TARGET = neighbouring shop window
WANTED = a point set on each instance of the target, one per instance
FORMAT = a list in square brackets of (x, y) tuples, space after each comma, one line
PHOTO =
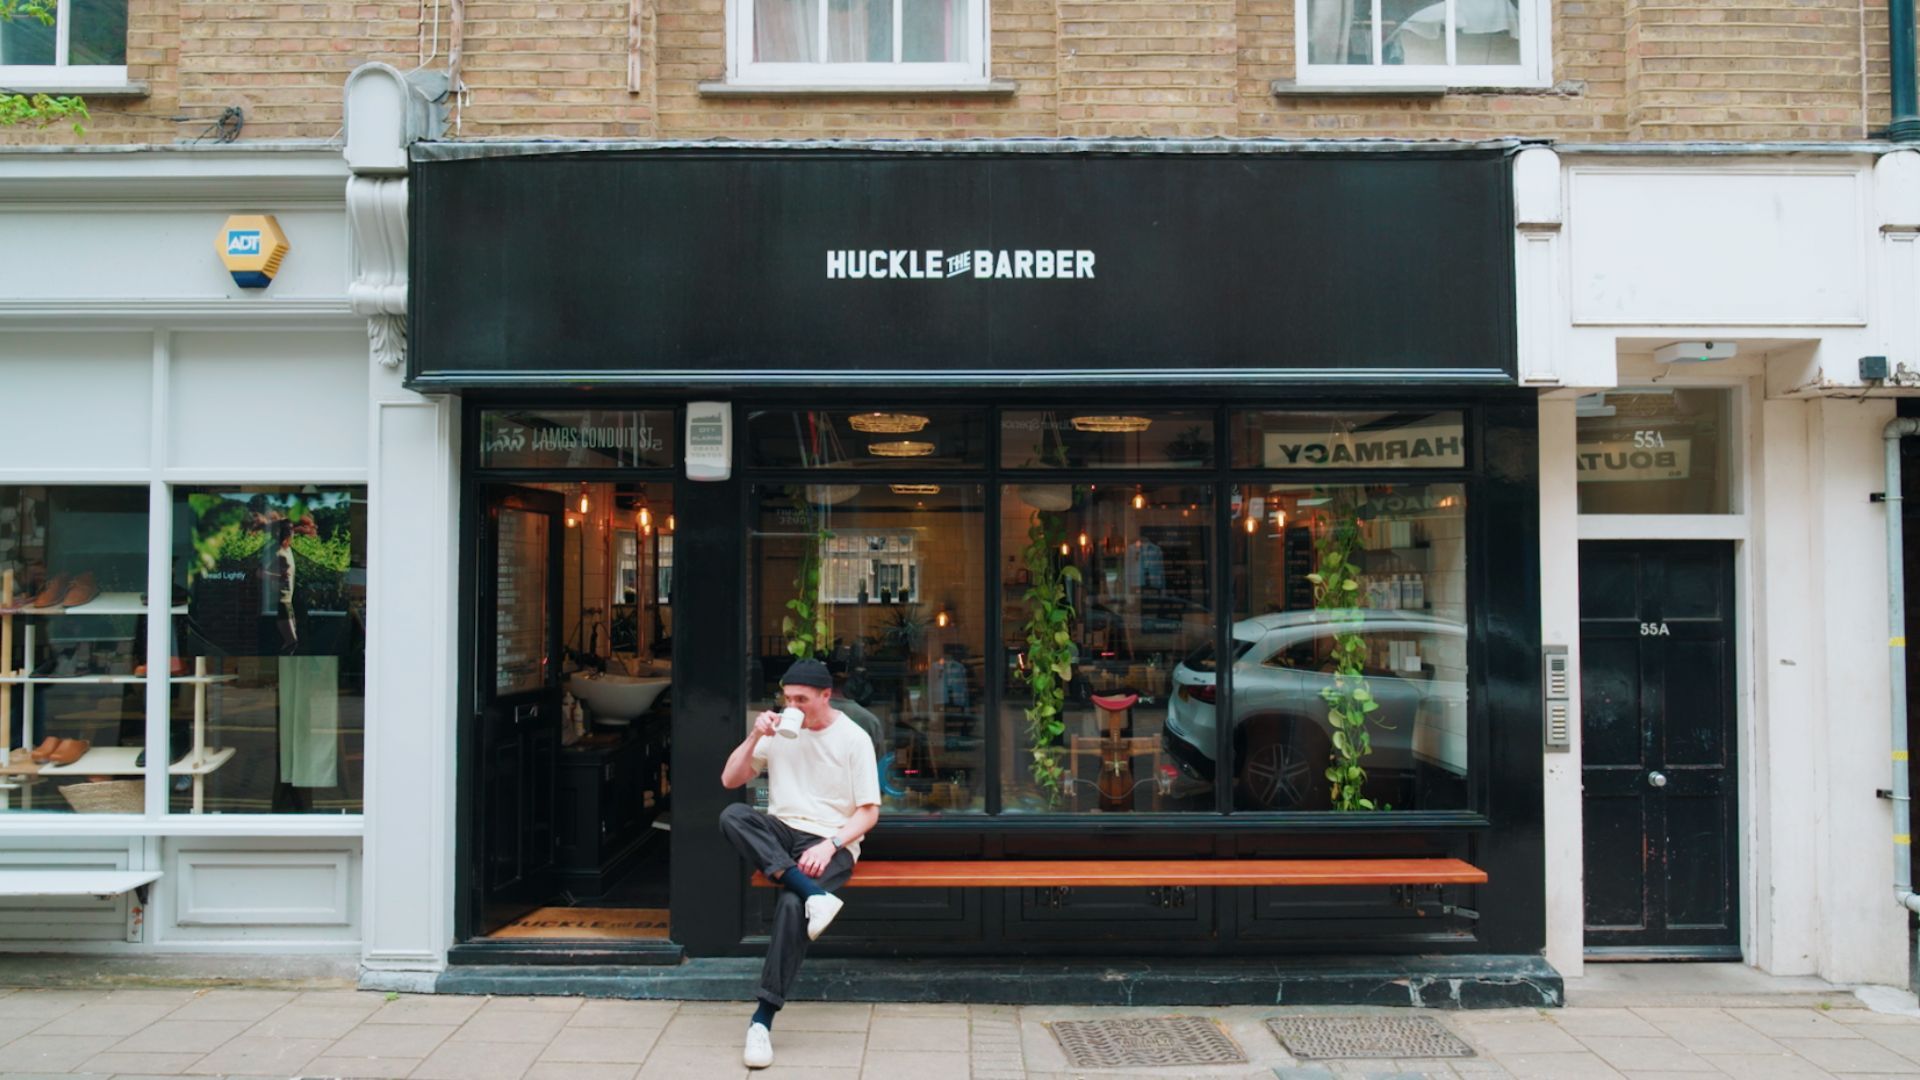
[(885, 582), (892, 439), (1104, 588), (1105, 438), (74, 616), (1344, 596), (578, 439), (858, 41), (1349, 440), (1654, 450), (267, 688)]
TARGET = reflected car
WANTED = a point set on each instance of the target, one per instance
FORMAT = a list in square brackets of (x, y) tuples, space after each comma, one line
[(1282, 739)]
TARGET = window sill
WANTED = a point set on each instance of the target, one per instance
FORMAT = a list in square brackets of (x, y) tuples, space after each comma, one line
[(56, 88), (990, 88), (1290, 88)]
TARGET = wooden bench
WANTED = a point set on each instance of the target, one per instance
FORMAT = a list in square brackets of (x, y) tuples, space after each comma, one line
[(1120, 873)]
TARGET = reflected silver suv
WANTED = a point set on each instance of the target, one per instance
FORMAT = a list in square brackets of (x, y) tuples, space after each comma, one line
[(1282, 737)]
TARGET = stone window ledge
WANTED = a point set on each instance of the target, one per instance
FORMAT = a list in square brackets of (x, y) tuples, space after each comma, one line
[(55, 88), (991, 88)]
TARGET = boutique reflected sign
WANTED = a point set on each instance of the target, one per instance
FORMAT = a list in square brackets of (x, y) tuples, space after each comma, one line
[(576, 439)]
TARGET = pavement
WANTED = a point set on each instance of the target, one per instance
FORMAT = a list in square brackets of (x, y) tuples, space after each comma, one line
[(1644, 1022)]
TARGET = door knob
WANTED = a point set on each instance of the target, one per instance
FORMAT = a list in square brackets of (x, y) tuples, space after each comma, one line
[(1657, 779)]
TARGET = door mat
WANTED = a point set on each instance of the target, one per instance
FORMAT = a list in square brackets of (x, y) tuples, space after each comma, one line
[(587, 924), (1176, 1040), (1320, 1038)]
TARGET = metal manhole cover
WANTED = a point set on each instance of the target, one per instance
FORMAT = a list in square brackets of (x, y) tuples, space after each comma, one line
[(1323, 1037), (1112, 1044)]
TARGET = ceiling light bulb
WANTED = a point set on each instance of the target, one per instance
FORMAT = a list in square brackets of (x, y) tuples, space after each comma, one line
[(1139, 501), (583, 502), (1085, 539), (670, 523), (1253, 524), (1064, 549), (645, 518)]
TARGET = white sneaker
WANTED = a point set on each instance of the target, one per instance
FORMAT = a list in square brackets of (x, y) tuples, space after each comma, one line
[(820, 913), (759, 1053)]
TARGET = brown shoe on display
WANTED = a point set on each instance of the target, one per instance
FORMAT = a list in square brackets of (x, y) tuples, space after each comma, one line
[(51, 595), (83, 590), (42, 753), (69, 751)]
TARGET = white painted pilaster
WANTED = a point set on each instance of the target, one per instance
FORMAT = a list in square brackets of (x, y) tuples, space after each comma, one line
[(1560, 625), (1538, 284)]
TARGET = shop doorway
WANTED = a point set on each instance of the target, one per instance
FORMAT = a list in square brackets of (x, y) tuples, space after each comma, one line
[(575, 631), (1658, 744)]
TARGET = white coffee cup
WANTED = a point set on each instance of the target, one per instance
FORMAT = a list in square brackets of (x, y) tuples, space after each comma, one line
[(790, 721)]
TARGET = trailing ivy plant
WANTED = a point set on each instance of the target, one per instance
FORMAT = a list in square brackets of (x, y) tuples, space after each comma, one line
[(1337, 593), (1050, 652), (808, 625)]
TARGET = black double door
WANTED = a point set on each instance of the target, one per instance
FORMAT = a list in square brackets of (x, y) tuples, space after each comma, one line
[(1657, 749), (517, 718)]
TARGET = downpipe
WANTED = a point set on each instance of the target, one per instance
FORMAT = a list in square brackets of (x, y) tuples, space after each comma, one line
[(1905, 127), (1903, 891)]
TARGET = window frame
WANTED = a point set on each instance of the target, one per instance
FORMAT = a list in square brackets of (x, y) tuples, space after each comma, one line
[(61, 72), (743, 69), (1534, 71)]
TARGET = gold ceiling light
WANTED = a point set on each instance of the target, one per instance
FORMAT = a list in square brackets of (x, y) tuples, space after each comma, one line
[(915, 489), (887, 423), (1107, 424), (900, 448)]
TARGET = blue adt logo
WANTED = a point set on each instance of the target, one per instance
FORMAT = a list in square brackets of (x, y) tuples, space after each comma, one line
[(243, 242)]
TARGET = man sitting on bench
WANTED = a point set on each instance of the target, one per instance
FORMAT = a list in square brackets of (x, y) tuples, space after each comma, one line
[(823, 795)]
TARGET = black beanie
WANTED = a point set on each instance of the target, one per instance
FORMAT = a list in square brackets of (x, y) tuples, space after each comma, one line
[(808, 673)]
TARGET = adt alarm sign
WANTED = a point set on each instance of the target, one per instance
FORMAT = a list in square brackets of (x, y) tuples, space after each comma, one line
[(252, 246), (243, 242)]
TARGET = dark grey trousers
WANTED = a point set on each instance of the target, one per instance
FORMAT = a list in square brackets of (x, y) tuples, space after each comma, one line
[(770, 844)]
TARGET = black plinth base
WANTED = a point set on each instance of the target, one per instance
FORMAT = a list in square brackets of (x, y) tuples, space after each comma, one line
[(1441, 982)]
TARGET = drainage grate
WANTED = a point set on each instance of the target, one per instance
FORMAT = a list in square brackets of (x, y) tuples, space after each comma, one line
[(1178, 1040), (1323, 1037)]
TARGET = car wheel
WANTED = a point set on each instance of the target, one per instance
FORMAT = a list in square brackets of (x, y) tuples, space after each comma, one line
[(1282, 767)]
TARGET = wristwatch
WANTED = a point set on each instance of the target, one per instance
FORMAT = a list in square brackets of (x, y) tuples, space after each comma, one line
[(835, 841)]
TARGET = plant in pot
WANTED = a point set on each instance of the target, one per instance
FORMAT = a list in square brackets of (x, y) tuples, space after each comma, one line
[(808, 624)]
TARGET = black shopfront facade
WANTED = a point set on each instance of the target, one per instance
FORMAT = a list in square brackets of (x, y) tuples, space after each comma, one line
[(1134, 494)]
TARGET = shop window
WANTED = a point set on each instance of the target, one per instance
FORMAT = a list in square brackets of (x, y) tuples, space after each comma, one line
[(1345, 596), (267, 687), (1104, 589), (75, 42), (74, 617), (884, 582), (1413, 42), (891, 439), (1654, 450), (857, 42), (1107, 439), (1349, 440)]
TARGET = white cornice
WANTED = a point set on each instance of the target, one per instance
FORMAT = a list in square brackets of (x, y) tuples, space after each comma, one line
[(94, 313), (149, 175)]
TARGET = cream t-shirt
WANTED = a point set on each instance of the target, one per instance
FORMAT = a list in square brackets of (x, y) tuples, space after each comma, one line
[(817, 781)]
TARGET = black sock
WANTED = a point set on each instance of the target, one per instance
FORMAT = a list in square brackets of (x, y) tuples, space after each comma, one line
[(764, 1014), (795, 881)]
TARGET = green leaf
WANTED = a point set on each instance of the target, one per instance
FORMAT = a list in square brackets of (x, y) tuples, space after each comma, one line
[(1071, 573)]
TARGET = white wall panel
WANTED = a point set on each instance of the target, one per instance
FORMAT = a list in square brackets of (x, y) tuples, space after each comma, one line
[(77, 400), (262, 888), (269, 399), (1719, 247), (146, 254)]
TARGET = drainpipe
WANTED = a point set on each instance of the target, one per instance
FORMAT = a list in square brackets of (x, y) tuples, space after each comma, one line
[(1906, 116), (1897, 656)]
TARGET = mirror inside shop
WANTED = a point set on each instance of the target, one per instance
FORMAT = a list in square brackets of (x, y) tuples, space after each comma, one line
[(611, 777), (260, 697)]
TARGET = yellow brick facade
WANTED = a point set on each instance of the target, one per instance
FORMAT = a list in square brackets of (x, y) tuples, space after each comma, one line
[(1623, 70)]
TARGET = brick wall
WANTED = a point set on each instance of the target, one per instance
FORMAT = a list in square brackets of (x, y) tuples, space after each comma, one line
[(1624, 70)]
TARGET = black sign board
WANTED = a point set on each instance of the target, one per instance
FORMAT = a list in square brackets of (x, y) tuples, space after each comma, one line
[(696, 266)]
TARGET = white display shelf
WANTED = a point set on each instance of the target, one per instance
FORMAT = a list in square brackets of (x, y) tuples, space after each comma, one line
[(117, 680), (119, 761), (107, 603)]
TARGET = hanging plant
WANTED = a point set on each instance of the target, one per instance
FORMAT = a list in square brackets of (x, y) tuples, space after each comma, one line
[(1337, 593), (1047, 666), (808, 624)]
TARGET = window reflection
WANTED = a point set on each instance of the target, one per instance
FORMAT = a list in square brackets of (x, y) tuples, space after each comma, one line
[(1104, 589), (1106, 439), (1345, 597), (883, 582)]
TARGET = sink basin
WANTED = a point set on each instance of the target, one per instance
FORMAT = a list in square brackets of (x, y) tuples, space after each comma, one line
[(618, 697)]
